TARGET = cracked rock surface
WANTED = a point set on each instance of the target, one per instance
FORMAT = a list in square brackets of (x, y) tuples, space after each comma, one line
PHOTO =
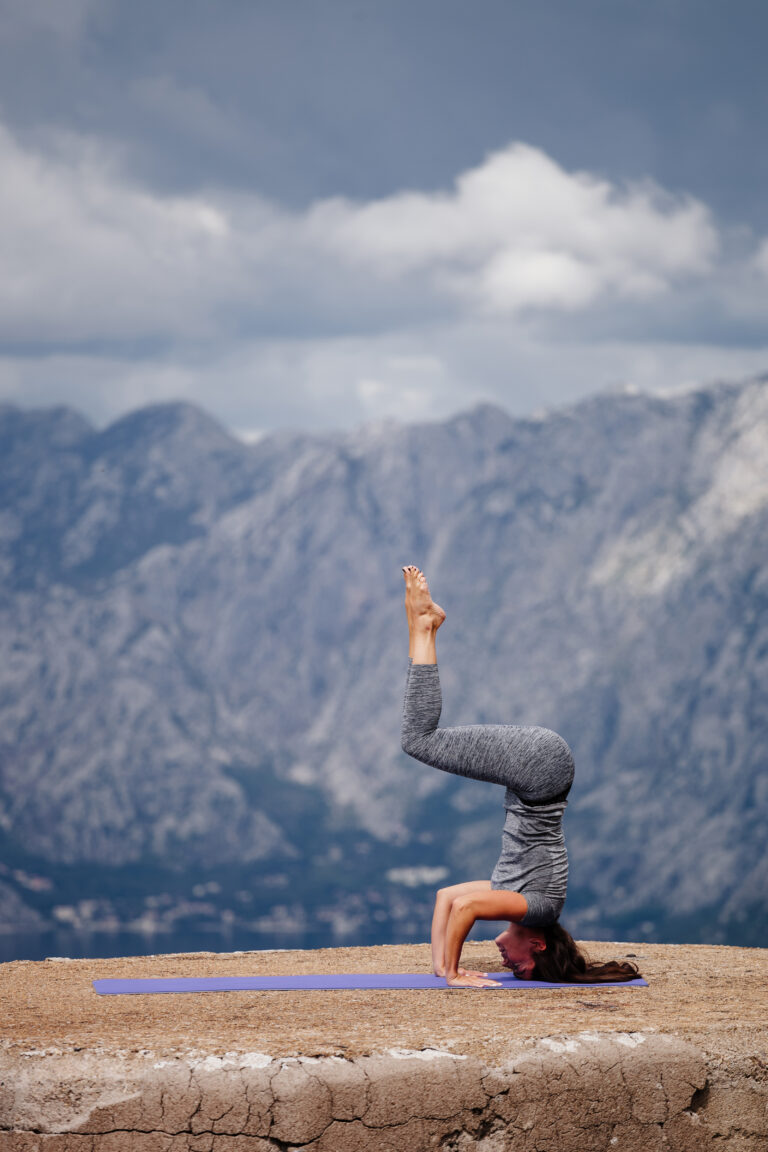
[(680, 1065)]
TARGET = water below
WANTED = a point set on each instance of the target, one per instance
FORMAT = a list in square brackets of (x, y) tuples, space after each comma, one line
[(101, 945)]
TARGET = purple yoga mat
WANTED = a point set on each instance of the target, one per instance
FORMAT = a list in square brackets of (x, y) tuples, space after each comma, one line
[(319, 983)]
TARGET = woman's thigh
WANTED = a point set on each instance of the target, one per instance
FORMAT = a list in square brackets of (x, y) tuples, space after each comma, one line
[(534, 762)]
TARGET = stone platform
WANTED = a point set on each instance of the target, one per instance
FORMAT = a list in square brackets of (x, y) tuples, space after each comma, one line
[(681, 1065)]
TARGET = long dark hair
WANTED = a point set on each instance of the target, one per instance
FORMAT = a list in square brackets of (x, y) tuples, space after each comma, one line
[(564, 962)]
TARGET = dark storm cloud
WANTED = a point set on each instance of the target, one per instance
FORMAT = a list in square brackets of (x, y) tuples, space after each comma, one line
[(362, 99)]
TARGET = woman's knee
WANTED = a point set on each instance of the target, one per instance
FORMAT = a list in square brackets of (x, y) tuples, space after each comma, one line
[(407, 741), (559, 757), (414, 744)]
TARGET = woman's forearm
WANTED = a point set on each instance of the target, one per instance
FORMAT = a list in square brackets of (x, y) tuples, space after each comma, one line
[(439, 925), (460, 921)]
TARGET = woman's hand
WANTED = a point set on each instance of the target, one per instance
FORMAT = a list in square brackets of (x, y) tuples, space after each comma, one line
[(461, 972), (464, 979)]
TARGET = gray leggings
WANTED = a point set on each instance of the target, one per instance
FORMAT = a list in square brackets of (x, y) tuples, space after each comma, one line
[(534, 763)]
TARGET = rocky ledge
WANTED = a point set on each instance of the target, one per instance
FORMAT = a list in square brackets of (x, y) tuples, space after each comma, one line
[(680, 1065)]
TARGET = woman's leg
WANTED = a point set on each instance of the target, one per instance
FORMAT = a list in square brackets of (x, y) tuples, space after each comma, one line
[(534, 762)]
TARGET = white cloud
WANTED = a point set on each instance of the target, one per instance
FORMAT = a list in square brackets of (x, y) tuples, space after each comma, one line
[(514, 279), (519, 231), (87, 256), (410, 306)]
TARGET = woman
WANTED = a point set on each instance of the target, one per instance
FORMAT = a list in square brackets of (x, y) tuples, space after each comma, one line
[(528, 884)]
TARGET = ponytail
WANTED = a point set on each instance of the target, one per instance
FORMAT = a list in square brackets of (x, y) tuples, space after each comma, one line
[(564, 962)]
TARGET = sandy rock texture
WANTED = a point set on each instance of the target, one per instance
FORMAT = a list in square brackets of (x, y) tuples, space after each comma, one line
[(681, 1065)]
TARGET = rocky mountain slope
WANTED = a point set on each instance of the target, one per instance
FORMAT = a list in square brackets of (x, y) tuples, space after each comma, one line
[(203, 650)]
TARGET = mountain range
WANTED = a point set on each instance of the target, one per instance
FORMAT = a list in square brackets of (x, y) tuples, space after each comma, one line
[(204, 647)]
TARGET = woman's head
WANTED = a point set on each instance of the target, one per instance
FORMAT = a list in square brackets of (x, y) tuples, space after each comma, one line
[(550, 953), (519, 947)]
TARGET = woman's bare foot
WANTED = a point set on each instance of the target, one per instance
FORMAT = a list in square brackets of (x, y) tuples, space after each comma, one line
[(420, 608)]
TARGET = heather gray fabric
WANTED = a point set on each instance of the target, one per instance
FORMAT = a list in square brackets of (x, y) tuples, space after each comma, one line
[(535, 766)]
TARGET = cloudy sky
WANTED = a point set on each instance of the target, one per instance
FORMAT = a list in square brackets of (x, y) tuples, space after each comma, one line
[(317, 213)]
